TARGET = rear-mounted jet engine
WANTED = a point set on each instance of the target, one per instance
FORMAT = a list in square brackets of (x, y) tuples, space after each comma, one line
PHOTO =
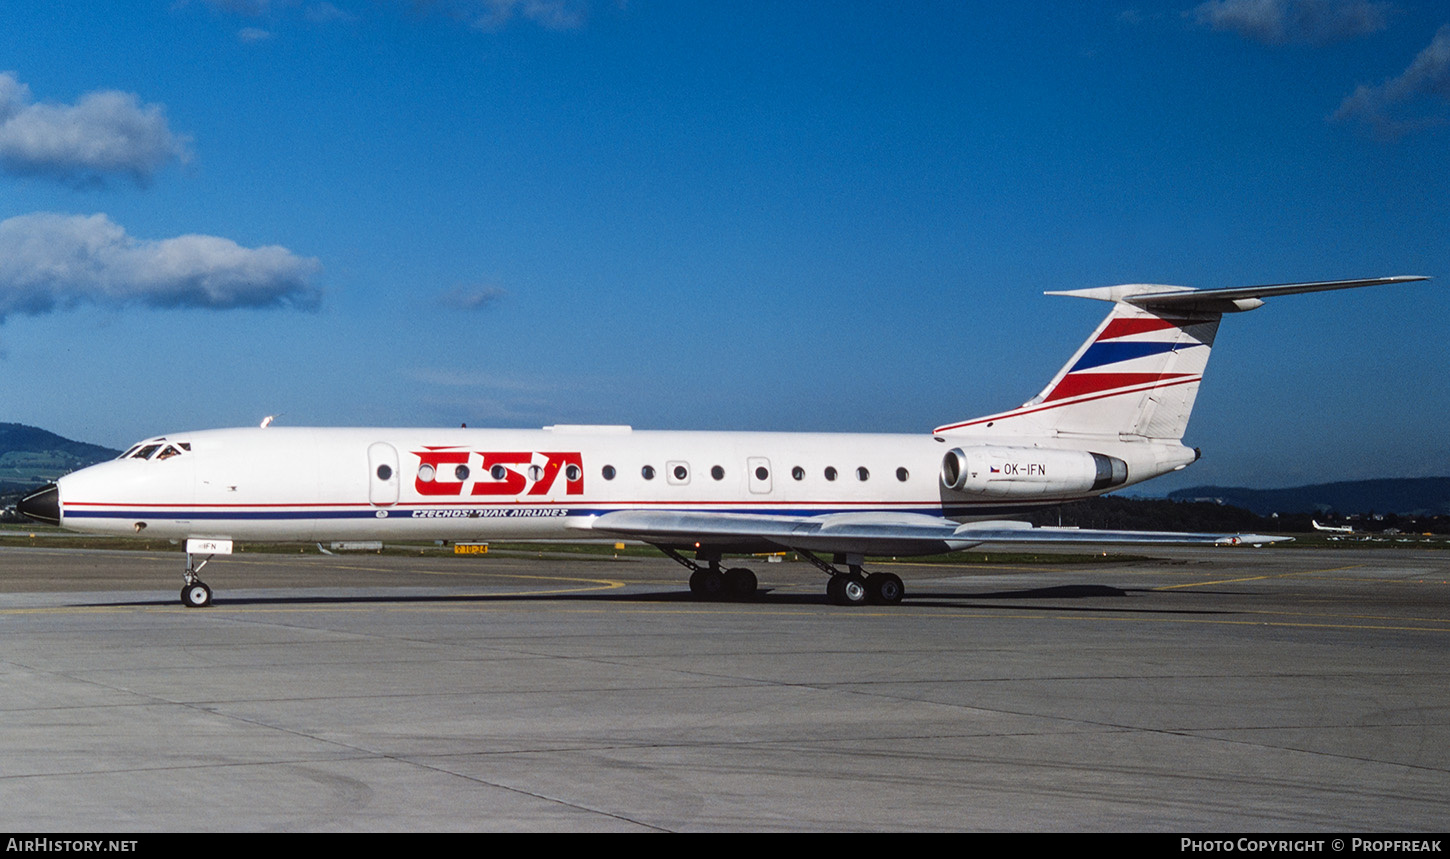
[(1023, 472)]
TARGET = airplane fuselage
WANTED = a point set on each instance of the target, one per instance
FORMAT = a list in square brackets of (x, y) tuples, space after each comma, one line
[(284, 484)]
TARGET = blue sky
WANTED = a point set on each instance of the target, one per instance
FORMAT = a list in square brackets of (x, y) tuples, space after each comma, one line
[(743, 215)]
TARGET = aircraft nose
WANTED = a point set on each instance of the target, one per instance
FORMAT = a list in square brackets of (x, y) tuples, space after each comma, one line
[(42, 505)]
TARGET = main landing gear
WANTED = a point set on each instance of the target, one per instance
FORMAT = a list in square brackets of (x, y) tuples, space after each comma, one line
[(853, 586), (856, 586), (195, 593), (711, 583)]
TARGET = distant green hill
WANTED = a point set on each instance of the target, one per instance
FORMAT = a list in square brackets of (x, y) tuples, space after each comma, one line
[(30, 456), (1412, 495)]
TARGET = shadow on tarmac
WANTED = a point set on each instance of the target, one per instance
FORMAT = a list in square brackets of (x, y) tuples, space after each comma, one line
[(1017, 600)]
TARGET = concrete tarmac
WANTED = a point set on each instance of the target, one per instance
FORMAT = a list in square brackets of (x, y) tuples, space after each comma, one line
[(1201, 691)]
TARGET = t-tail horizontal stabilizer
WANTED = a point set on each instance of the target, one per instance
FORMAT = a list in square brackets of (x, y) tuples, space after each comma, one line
[(1137, 376), (1232, 299)]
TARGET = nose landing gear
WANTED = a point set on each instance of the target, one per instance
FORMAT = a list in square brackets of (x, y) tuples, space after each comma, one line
[(195, 593)]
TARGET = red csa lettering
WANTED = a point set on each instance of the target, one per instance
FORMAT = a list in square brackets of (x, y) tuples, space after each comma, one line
[(513, 482), (572, 464), (444, 471), (437, 463), (502, 481)]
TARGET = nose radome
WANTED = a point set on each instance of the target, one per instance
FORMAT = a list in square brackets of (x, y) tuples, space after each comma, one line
[(42, 505)]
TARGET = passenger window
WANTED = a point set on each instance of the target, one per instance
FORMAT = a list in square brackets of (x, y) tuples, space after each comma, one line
[(902, 474), (830, 473), (762, 473), (608, 472), (862, 474), (717, 472), (798, 473), (648, 472)]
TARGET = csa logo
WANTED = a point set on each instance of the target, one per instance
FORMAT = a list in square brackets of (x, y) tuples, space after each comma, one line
[(454, 471)]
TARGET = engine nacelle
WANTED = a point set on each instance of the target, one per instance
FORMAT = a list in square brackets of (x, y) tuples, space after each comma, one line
[(1024, 472)]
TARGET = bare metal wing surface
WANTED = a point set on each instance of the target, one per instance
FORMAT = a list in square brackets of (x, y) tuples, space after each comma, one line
[(871, 534)]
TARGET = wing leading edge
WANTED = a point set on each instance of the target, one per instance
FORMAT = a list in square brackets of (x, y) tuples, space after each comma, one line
[(869, 533)]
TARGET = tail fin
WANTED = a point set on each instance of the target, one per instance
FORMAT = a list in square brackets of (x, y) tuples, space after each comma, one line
[(1137, 376)]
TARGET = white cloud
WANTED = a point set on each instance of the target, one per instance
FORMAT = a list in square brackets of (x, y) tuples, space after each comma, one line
[(1426, 83), (554, 14), (252, 35), (488, 15), (326, 13), (50, 261), (452, 377), (472, 297), (105, 132), (1277, 22), (496, 14), (238, 7)]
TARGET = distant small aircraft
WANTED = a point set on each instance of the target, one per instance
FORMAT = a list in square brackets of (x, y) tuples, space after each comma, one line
[(1336, 529), (1113, 416)]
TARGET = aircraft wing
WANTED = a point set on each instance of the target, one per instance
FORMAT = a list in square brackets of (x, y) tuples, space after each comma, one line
[(868, 533)]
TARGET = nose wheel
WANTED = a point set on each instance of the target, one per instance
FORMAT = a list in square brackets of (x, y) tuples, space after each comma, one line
[(196, 595)]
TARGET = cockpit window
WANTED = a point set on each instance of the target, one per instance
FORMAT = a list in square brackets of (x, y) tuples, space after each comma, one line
[(149, 450)]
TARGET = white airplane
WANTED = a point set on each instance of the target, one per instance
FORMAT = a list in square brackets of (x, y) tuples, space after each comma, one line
[(1113, 416), (1336, 529)]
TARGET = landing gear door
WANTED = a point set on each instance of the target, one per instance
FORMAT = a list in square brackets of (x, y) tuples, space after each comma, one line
[(383, 478), (759, 468)]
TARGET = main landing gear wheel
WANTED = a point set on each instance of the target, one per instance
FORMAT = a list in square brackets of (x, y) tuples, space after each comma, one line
[(849, 589), (854, 586), (885, 588), (196, 595), (733, 584), (740, 584), (707, 584), (710, 582)]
